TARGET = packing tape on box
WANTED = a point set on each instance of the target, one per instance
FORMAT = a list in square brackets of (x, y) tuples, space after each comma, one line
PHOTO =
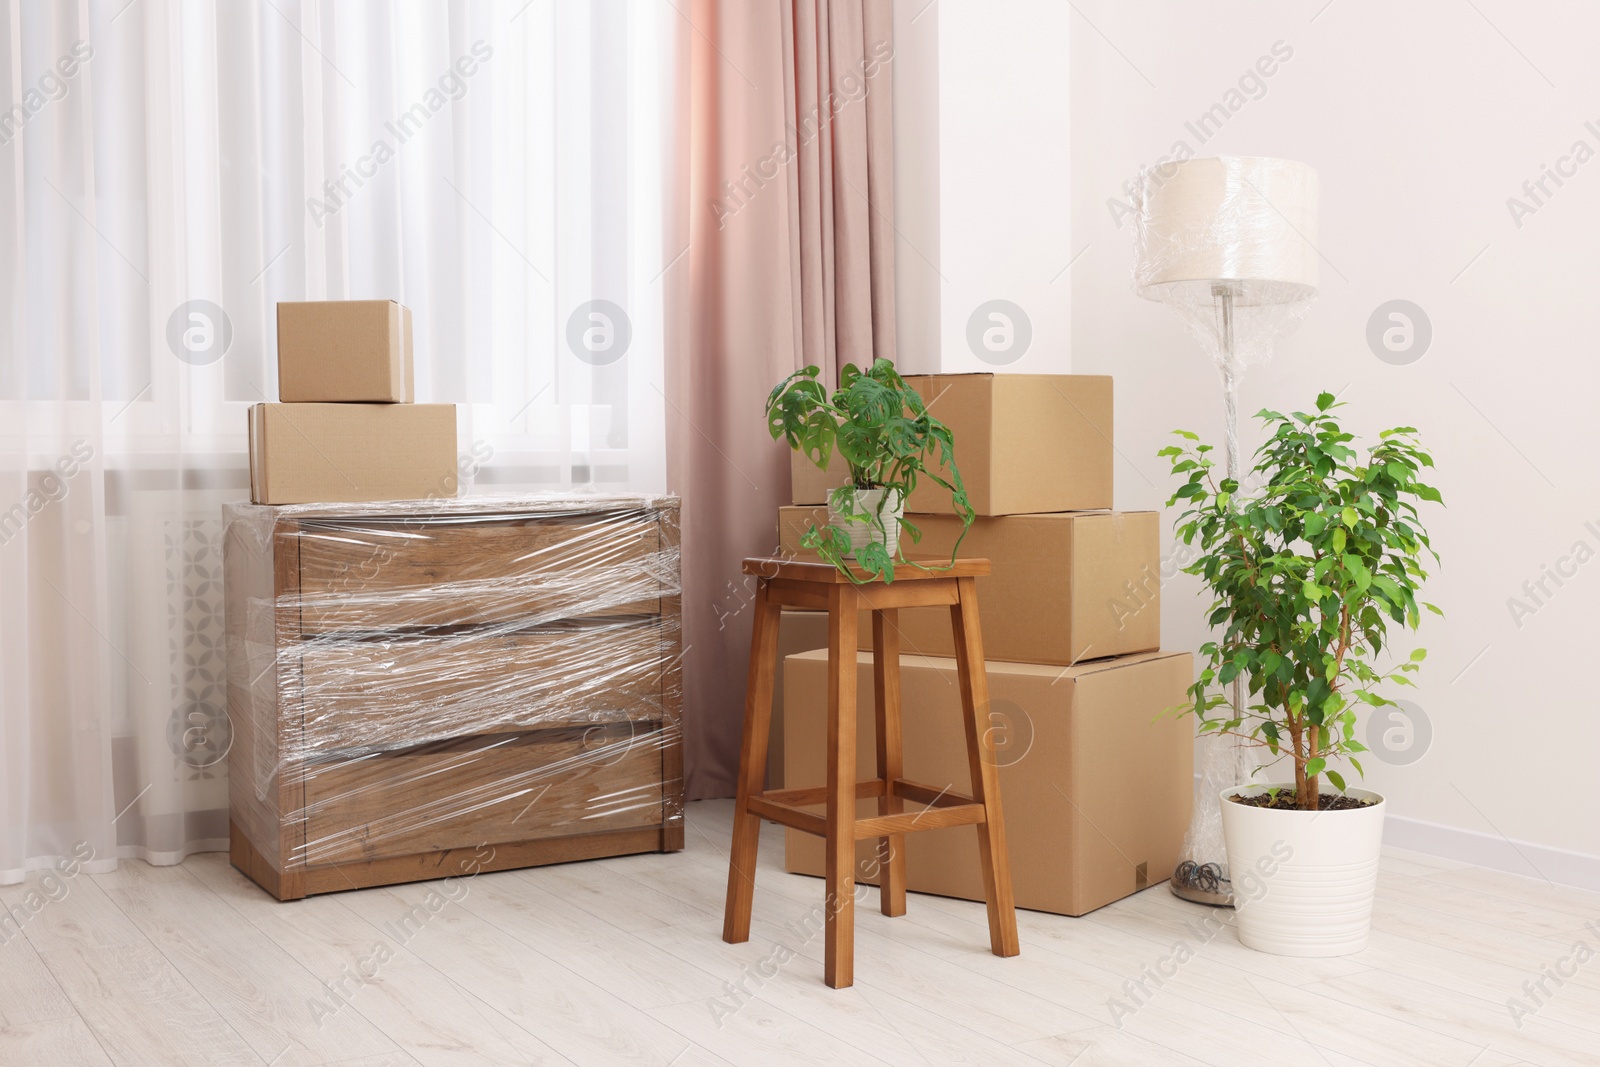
[(1119, 527)]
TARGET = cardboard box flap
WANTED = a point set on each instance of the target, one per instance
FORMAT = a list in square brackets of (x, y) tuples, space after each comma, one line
[(1098, 666), (993, 374)]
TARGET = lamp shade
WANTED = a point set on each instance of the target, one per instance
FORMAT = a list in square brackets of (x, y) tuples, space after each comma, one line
[(1246, 222)]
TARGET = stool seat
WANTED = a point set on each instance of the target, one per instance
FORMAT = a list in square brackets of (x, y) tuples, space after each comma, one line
[(808, 582)]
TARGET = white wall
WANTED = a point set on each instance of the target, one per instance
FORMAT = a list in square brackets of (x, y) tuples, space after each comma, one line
[(1422, 119), (916, 186), (982, 185)]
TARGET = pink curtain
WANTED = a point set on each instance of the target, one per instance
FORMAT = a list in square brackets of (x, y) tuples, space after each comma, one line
[(786, 213)]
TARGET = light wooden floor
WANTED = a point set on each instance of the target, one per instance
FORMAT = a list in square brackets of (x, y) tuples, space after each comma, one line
[(620, 962)]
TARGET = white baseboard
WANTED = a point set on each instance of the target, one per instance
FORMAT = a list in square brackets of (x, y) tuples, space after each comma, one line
[(1489, 850), (1496, 853)]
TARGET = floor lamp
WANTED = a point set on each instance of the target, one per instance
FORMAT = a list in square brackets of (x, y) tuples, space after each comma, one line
[(1229, 243)]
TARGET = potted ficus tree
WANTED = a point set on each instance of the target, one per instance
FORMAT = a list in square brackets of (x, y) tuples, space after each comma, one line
[(1309, 573), (880, 427)]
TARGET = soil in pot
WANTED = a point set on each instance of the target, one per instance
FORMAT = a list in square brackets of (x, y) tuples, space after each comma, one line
[(1284, 801)]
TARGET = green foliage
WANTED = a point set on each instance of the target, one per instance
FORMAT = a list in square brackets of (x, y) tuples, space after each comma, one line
[(879, 426), (1308, 575)]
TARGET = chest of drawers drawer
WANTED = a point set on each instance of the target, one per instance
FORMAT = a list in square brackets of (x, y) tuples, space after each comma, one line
[(385, 576), (486, 791), (392, 692)]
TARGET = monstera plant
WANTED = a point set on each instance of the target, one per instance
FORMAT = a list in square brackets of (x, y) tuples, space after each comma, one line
[(879, 427)]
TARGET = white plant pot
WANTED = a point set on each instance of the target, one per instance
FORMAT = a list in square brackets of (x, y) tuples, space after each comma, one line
[(866, 533), (1303, 881)]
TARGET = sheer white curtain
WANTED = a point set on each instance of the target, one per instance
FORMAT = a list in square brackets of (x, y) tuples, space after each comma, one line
[(172, 171)]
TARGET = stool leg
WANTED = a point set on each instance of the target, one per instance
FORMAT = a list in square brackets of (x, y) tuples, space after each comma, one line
[(891, 858), (840, 906), (752, 769), (992, 852)]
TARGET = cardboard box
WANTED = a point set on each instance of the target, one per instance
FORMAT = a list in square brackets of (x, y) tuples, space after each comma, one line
[(332, 351), (1095, 782), (339, 453), (809, 484), (798, 631), (1065, 587), (1024, 442)]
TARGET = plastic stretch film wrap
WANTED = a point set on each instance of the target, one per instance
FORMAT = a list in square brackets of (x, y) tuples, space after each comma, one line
[(1229, 244), (1229, 234), (414, 684)]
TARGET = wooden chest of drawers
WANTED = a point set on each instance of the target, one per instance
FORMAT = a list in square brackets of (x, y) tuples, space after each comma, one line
[(431, 689)]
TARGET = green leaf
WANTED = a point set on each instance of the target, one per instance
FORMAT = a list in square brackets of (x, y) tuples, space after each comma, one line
[(1337, 779), (1307, 567), (1314, 766), (874, 559), (881, 428)]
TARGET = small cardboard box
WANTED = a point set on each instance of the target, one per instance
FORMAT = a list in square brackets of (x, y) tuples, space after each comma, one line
[(809, 484), (346, 453), (1096, 784), (1064, 587), (344, 351), (798, 631), (1024, 442)]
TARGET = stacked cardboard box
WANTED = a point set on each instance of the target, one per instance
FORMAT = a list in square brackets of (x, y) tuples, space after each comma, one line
[(1096, 782), (346, 429)]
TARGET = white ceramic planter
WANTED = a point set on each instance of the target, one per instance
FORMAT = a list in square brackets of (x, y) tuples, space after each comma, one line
[(1303, 881), (866, 533)]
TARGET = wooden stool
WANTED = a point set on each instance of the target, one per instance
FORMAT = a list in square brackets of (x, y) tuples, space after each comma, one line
[(817, 585)]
